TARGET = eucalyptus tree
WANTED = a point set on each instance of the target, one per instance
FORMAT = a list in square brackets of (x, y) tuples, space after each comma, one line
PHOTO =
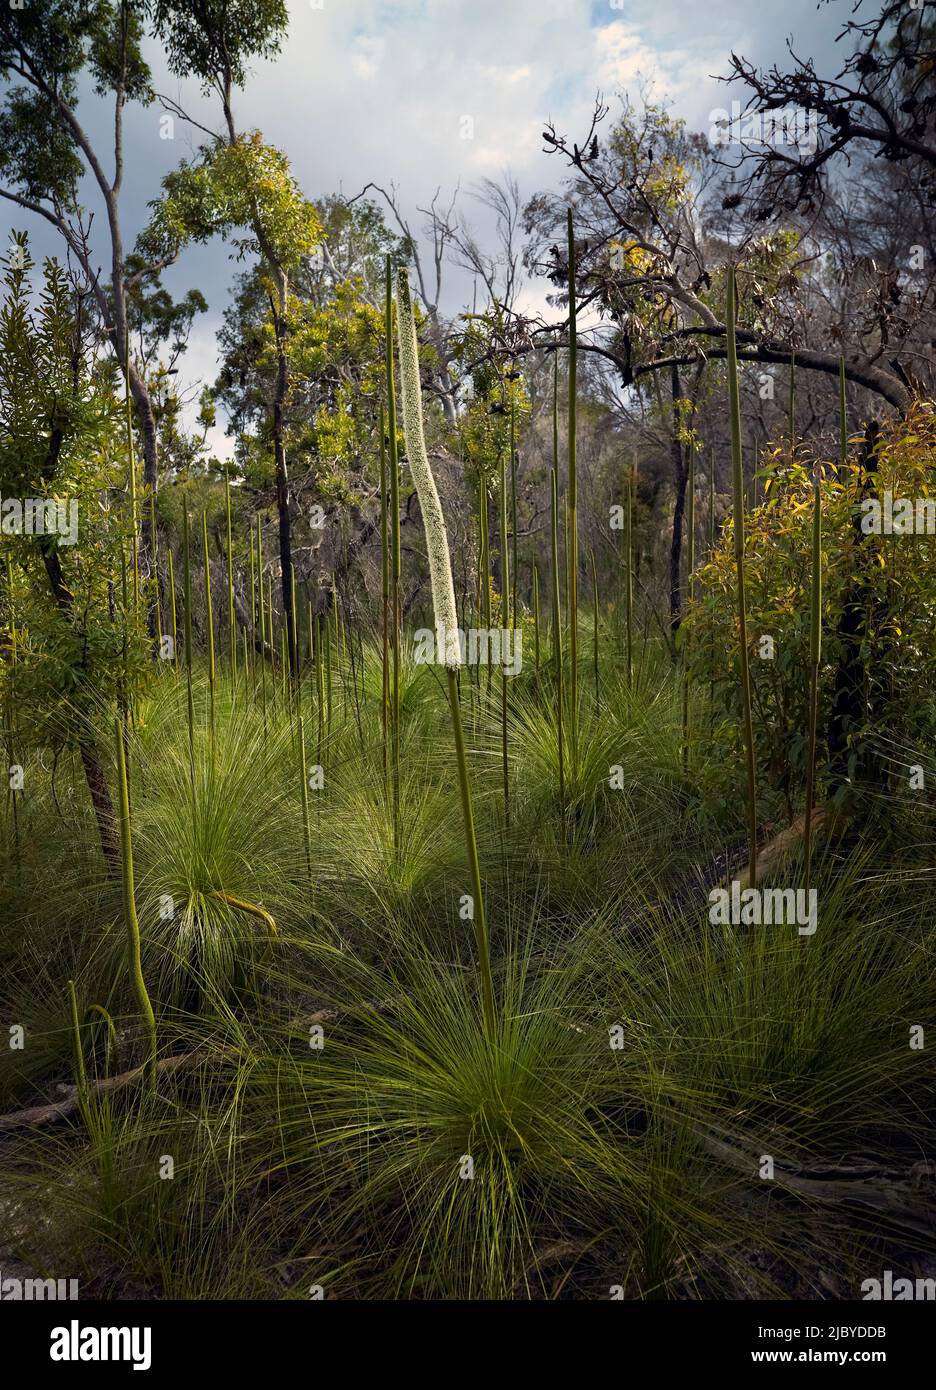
[(57, 58), (239, 184), (652, 273), (880, 103), (331, 416)]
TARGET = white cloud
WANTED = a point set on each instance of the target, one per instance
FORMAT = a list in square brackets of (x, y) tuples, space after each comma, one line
[(366, 56), (376, 90)]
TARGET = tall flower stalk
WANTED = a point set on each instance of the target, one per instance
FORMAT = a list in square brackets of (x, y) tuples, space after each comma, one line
[(557, 634), (505, 622), (690, 569), (384, 598), (629, 574), (187, 622), (134, 963), (737, 477), (572, 552), (394, 541), (815, 643), (232, 626), (210, 624), (446, 619), (596, 603)]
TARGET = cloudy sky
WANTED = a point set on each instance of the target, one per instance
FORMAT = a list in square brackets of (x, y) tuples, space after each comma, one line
[(428, 94)]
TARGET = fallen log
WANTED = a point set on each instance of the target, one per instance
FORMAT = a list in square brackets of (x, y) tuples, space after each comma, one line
[(900, 1193), (38, 1115), (769, 855)]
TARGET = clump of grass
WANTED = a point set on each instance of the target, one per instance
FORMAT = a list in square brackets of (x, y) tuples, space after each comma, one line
[(469, 1161), (193, 865)]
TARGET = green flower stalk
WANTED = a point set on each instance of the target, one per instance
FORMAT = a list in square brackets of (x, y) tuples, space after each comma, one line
[(384, 596), (572, 544), (505, 620), (172, 605), (156, 595), (737, 474), (815, 644), (210, 619), (557, 635), (443, 602), (843, 420), (296, 689), (131, 465), (253, 610), (595, 607), (304, 781), (187, 622), (629, 574), (485, 569), (232, 626), (690, 570), (130, 914), (513, 513), (81, 1076), (395, 567)]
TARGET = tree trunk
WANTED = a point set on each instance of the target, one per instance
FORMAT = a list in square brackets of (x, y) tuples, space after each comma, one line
[(93, 770)]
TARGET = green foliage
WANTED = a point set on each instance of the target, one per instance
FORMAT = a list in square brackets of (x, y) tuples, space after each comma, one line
[(61, 439), (246, 188), (898, 601), (56, 42), (215, 39), (335, 349)]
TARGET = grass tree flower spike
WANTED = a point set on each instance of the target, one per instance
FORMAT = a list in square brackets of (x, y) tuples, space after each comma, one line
[(440, 567), (443, 602)]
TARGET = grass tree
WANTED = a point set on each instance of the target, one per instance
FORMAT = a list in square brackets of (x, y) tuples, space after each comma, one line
[(448, 643)]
